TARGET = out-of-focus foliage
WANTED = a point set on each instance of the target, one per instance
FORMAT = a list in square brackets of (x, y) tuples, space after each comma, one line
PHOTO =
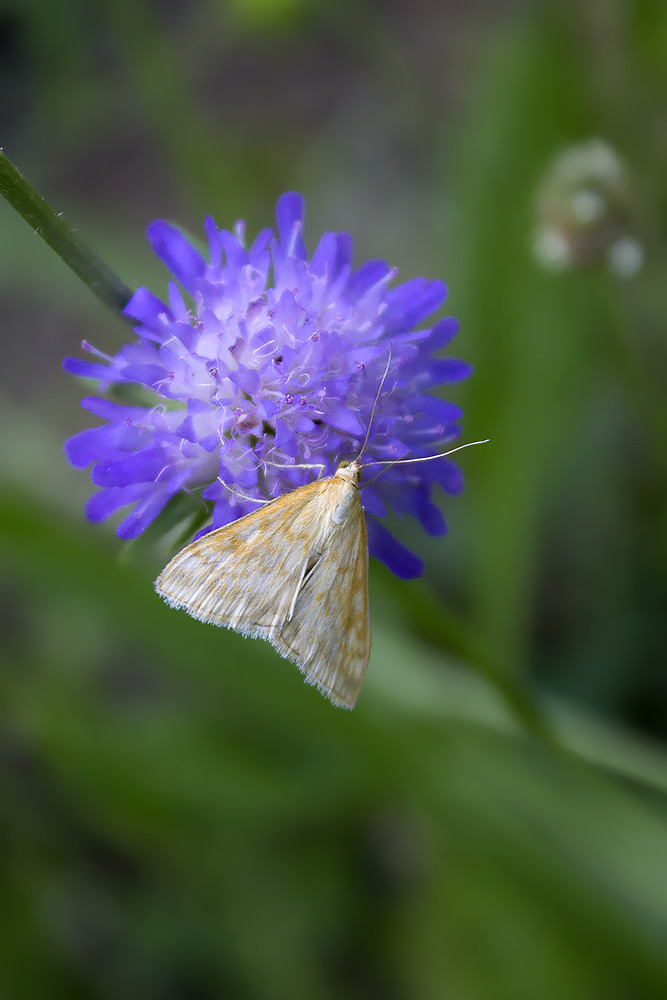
[(179, 815)]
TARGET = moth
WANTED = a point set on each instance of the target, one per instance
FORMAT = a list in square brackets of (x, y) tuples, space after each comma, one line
[(294, 572)]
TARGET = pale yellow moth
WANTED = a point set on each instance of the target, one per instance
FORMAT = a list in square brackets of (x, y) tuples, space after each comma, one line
[(294, 572)]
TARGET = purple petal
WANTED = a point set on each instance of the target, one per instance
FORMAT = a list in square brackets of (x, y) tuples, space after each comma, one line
[(149, 375), (343, 419), (450, 477), (107, 501), (257, 253), (78, 449), (86, 369), (370, 275), (445, 370), (383, 546), (333, 255), (142, 515), (150, 311), (371, 501), (86, 447), (144, 466), (214, 243), (442, 333), (186, 263), (429, 515), (179, 309), (438, 410), (411, 303), (106, 408), (289, 216), (324, 256), (248, 379), (236, 256)]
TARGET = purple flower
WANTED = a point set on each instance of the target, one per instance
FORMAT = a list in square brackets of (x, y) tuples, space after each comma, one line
[(271, 361)]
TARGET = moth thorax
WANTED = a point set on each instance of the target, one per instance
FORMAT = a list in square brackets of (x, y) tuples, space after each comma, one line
[(350, 472)]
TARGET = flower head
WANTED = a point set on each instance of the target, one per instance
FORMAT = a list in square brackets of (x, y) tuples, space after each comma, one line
[(271, 362)]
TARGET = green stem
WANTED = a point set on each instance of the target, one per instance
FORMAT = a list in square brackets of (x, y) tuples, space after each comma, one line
[(60, 237)]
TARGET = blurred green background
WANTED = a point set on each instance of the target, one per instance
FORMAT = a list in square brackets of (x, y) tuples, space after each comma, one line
[(180, 816)]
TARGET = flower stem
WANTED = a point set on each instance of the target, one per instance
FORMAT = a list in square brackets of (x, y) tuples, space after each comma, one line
[(53, 229)]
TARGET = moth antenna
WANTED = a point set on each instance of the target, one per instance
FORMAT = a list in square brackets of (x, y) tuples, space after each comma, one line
[(375, 404), (426, 458)]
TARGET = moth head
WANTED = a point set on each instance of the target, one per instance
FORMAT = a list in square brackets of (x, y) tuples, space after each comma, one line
[(350, 472)]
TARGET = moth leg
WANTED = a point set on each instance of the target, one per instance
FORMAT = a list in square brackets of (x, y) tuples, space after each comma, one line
[(242, 496), (297, 465)]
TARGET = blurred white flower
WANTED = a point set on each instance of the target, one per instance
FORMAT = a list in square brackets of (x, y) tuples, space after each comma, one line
[(626, 257), (583, 210)]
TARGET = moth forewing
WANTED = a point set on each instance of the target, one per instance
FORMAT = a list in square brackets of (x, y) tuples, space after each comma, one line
[(329, 635), (243, 575), (294, 572)]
